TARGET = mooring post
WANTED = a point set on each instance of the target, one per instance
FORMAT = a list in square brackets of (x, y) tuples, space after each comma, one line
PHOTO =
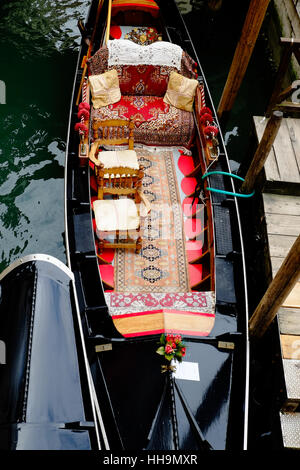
[(243, 52), (262, 151), (278, 290)]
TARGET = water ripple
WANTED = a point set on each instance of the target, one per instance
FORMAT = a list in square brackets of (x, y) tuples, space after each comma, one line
[(41, 26)]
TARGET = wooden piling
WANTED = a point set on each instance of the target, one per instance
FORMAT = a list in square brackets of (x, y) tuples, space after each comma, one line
[(251, 28), (262, 151), (277, 292)]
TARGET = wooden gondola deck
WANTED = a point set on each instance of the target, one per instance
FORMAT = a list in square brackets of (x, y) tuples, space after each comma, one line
[(282, 211)]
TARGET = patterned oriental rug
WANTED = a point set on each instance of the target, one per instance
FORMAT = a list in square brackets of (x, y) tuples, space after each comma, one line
[(147, 314), (161, 266)]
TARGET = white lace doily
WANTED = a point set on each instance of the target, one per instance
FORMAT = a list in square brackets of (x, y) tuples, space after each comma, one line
[(124, 52)]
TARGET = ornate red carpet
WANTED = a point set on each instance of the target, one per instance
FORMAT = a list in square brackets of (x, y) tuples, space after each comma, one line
[(161, 265)]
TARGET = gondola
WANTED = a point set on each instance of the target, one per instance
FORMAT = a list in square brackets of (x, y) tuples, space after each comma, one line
[(165, 322), (162, 296)]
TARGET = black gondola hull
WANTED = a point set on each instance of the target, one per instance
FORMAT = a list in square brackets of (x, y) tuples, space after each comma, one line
[(41, 375)]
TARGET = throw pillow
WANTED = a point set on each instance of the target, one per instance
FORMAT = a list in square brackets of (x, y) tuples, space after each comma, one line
[(105, 88), (181, 91)]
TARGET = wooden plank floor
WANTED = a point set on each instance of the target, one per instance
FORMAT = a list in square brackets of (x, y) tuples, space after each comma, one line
[(282, 214), (281, 199), (282, 167)]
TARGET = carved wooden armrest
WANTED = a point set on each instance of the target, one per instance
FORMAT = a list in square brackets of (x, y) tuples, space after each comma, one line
[(92, 153)]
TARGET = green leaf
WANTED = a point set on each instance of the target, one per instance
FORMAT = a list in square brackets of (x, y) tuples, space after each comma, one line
[(162, 339), (169, 356), (161, 350)]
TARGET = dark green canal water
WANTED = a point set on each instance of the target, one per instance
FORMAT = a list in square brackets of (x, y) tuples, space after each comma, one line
[(38, 49)]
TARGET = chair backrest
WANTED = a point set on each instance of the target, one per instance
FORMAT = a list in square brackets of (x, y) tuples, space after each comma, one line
[(114, 132), (119, 181)]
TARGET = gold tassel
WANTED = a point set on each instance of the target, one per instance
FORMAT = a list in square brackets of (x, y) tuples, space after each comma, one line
[(166, 368)]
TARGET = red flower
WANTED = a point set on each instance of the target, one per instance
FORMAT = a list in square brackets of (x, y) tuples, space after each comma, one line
[(183, 351), (169, 349), (169, 338), (177, 338)]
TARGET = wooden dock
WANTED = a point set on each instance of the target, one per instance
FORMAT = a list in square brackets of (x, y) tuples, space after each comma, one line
[(281, 199), (282, 167)]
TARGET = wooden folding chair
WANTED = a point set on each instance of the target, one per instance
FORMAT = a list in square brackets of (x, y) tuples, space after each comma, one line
[(119, 216), (109, 166), (114, 132)]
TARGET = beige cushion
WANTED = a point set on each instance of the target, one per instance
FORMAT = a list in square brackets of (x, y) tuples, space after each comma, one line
[(105, 88), (181, 91), (116, 214), (116, 158)]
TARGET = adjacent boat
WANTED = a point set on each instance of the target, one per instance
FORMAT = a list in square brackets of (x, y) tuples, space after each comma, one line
[(152, 343), (44, 373)]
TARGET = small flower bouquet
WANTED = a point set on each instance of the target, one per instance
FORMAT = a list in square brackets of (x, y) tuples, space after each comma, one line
[(172, 347)]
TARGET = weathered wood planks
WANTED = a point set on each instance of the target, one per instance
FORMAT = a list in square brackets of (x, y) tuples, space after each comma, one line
[(282, 213), (282, 166)]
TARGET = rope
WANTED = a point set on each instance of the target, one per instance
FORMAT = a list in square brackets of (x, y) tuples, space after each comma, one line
[(202, 96)]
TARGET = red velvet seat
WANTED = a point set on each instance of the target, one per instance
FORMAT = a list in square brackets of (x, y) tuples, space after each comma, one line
[(107, 275), (156, 122), (190, 210), (188, 185), (195, 273), (186, 164), (192, 228), (193, 250)]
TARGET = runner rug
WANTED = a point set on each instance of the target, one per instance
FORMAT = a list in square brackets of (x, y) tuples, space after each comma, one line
[(161, 266), (147, 314)]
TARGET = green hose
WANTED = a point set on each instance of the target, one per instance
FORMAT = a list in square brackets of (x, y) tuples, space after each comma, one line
[(226, 192)]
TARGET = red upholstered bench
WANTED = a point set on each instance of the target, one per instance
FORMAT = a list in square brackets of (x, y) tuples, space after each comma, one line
[(156, 123), (143, 87)]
